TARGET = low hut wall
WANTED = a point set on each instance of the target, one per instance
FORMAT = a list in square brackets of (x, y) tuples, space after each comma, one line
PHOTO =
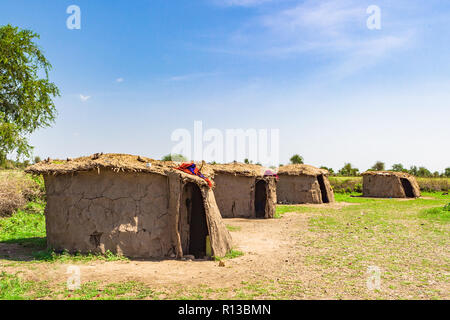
[(387, 186), (235, 195), (126, 213), (133, 214), (298, 189)]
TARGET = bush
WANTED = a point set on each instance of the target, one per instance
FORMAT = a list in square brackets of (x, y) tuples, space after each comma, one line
[(433, 184), (346, 184), (17, 189)]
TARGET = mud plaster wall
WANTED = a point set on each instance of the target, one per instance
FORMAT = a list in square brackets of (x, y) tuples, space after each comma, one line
[(271, 203), (221, 240), (122, 212), (298, 189), (329, 189), (235, 196), (131, 214), (385, 186)]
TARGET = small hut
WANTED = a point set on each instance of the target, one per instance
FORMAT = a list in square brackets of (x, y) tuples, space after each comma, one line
[(301, 183), (390, 184), (130, 205), (244, 191)]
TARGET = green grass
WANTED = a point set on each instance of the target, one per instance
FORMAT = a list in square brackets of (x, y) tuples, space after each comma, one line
[(12, 287), (282, 209), (437, 213), (25, 227), (233, 228), (230, 255), (49, 255), (407, 239)]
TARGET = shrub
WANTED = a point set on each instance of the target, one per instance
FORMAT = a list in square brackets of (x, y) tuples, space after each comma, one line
[(16, 189), (11, 197)]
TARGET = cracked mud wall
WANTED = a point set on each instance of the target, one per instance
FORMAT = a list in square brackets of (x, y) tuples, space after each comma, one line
[(133, 214), (125, 213)]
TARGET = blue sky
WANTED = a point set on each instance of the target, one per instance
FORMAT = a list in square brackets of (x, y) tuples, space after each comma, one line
[(338, 92)]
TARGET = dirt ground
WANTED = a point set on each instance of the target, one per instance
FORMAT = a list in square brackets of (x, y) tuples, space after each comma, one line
[(270, 249), (267, 245), (277, 255)]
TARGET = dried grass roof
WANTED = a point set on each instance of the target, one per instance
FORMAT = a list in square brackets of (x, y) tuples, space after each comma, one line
[(301, 170), (236, 168), (388, 173), (111, 161)]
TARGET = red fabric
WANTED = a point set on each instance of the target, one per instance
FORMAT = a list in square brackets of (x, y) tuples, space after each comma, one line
[(191, 168)]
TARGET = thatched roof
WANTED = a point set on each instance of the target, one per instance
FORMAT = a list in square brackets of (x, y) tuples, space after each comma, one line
[(238, 169), (111, 161), (301, 170), (388, 173)]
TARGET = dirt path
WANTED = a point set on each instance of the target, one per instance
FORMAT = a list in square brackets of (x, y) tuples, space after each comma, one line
[(270, 248)]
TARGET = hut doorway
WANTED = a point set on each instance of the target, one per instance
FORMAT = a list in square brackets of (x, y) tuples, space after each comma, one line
[(196, 217), (260, 199), (323, 189), (407, 187)]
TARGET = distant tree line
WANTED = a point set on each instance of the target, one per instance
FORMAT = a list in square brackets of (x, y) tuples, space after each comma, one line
[(349, 171)]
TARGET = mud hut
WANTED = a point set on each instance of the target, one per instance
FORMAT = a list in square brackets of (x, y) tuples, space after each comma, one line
[(130, 205), (389, 184), (244, 191), (301, 183)]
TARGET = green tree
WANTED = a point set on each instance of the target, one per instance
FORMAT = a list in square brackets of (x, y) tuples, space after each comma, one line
[(424, 172), (174, 157), (413, 170), (378, 166), (330, 170), (296, 159), (398, 167), (447, 172), (26, 94), (348, 170)]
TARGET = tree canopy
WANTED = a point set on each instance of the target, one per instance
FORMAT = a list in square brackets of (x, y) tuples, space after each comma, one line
[(174, 157), (26, 94), (378, 166), (349, 170), (296, 159)]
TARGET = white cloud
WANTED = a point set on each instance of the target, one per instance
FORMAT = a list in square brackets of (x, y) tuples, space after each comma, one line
[(334, 28), (119, 80), (84, 98)]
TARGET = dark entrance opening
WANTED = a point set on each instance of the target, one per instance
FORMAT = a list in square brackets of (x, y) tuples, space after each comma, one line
[(260, 199), (323, 189), (407, 187), (196, 217)]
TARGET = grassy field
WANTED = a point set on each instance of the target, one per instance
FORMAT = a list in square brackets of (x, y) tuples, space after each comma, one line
[(407, 240)]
